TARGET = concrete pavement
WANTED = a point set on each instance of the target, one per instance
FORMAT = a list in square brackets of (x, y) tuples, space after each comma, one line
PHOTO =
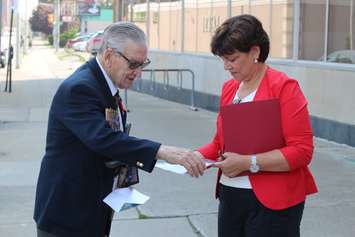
[(179, 205)]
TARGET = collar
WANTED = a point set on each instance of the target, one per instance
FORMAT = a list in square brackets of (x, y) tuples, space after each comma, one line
[(109, 82)]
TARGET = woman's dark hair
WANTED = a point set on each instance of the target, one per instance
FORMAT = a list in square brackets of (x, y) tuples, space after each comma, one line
[(240, 33)]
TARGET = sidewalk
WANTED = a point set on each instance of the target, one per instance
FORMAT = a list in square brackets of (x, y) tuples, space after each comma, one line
[(179, 205)]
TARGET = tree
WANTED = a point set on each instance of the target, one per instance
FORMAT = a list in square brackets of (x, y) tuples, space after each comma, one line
[(40, 21)]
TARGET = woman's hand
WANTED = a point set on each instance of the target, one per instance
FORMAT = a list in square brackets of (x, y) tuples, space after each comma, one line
[(232, 164)]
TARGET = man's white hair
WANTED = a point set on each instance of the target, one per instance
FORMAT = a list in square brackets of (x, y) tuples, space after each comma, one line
[(118, 34)]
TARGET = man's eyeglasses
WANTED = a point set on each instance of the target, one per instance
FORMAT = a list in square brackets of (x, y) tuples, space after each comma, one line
[(133, 64)]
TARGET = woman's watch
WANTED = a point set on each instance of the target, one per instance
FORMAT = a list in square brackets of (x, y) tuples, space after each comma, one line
[(254, 167)]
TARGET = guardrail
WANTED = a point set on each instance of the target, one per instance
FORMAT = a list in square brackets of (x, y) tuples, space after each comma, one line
[(179, 78)]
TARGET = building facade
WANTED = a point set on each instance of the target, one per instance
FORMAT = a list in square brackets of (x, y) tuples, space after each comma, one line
[(311, 40)]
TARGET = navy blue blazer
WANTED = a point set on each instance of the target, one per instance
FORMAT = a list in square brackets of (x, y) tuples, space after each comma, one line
[(73, 179)]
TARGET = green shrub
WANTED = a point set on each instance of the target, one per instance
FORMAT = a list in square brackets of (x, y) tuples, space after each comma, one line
[(65, 36)]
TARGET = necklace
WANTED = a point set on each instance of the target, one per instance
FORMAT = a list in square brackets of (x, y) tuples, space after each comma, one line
[(249, 89), (237, 99)]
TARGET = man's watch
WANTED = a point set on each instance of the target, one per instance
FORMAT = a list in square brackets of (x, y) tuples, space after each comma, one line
[(254, 167)]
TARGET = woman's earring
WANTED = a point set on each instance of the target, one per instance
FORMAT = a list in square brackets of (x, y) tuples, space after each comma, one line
[(256, 60)]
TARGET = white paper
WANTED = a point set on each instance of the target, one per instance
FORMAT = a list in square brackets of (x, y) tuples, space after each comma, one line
[(123, 196), (178, 169), (172, 168)]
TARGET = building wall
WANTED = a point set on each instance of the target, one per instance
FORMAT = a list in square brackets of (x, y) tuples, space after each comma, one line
[(329, 89), (203, 17), (96, 23), (327, 85)]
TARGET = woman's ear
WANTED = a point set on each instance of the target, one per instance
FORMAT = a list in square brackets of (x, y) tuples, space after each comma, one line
[(255, 52)]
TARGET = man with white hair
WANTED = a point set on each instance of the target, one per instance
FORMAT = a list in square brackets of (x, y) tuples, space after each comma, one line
[(86, 132)]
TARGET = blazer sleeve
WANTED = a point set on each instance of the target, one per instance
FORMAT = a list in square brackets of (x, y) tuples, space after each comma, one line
[(296, 126), (81, 112), (211, 150)]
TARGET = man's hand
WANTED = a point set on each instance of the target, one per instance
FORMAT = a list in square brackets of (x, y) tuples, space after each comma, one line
[(192, 161)]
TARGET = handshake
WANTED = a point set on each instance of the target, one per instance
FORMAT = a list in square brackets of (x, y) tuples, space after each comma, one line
[(193, 161)]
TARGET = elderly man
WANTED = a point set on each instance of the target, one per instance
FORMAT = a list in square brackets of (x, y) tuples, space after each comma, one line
[(86, 131)]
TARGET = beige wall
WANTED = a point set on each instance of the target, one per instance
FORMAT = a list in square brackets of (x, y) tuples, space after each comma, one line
[(203, 17), (329, 89)]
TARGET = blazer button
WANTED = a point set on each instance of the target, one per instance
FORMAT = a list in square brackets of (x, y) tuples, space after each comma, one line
[(139, 164)]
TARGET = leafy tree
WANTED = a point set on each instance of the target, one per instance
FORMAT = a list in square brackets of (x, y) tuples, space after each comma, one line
[(39, 20)]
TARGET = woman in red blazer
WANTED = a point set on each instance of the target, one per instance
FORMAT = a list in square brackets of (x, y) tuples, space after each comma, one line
[(270, 201)]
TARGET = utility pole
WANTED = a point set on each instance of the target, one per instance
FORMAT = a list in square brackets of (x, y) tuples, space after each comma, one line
[(25, 42), (54, 30), (118, 10), (114, 8), (8, 82), (0, 23), (56, 27)]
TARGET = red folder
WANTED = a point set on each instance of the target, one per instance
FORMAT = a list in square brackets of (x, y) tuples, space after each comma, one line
[(252, 127)]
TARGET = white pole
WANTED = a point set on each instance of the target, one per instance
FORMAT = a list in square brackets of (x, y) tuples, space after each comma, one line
[(26, 28), (326, 31), (351, 23), (270, 21), (229, 8), (158, 30), (148, 22), (196, 29), (182, 26), (296, 29), (57, 24), (18, 38), (54, 25)]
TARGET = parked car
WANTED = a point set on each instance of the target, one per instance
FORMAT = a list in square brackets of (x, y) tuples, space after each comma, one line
[(80, 46), (94, 43), (77, 39)]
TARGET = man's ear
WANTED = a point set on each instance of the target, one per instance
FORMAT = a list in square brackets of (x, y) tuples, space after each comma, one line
[(107, 58)]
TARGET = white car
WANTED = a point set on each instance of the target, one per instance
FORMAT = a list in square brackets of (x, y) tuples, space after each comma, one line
[(80, 46)]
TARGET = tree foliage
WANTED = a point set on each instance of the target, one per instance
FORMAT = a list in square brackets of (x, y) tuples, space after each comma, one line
[(39, 20)]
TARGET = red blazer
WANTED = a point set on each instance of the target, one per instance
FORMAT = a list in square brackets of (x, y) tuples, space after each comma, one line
[(277, 190)]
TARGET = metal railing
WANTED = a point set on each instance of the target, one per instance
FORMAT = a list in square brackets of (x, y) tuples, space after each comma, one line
[(179, 78)]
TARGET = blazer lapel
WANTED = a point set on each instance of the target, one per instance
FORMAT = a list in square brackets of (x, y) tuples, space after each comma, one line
[(99, 76)]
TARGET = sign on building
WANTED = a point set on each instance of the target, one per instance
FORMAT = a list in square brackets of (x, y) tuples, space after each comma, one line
[(88, 7), (67, 10)]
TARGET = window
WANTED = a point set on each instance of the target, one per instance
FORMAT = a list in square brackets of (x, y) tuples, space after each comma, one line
[(312, 29), (341, 28)]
